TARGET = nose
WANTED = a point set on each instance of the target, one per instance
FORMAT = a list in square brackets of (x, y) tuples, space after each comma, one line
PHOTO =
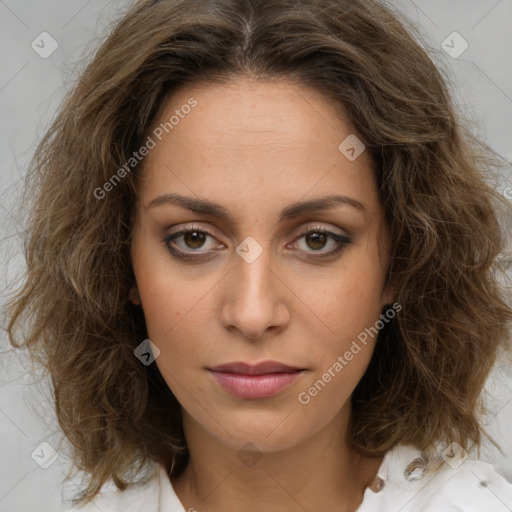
[(255, 298)]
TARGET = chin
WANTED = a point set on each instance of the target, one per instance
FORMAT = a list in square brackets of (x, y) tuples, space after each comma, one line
[(268, 431), (245, 439)]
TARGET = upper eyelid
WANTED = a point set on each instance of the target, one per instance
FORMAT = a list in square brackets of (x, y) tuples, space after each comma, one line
[(299, 232), (305, 231)]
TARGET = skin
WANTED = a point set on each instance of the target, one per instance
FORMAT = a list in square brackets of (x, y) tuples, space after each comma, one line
[(255, 148)]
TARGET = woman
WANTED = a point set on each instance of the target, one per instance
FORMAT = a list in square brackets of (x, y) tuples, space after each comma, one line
[(261, 266)]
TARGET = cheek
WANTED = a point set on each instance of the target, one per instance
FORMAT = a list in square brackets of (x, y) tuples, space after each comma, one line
[(350, 308), (341, 358), (178, 313), (166, 294), (353, 300)]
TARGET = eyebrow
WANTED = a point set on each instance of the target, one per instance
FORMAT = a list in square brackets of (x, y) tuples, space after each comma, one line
[(205, 207)]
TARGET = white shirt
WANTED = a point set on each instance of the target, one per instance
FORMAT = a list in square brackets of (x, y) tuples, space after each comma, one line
[(472, 486)]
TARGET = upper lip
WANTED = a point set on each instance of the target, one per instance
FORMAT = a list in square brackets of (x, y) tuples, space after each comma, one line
[(255, 369)]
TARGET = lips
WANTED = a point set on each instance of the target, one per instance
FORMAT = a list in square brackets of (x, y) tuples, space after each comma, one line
[(257, 369), (262, 380)]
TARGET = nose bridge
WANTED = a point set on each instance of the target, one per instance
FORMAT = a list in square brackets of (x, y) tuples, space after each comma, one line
[(255, 295), (253, 273)]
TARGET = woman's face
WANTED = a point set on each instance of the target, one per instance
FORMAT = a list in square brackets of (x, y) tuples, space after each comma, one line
[(245, 168)]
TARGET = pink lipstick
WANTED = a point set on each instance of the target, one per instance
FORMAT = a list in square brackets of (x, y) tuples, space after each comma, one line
[(262, 380)]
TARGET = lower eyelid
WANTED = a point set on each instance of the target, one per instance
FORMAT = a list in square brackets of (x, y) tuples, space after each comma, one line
[(341, 242), (170, 238)]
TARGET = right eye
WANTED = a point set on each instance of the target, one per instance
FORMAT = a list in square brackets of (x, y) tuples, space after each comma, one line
[(187, 241)]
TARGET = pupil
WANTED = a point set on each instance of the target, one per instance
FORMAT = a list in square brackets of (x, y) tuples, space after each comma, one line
[(197, 239), (318, 239)]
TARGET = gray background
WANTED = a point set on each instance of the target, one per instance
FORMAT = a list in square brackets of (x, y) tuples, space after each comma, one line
[(30, 91)]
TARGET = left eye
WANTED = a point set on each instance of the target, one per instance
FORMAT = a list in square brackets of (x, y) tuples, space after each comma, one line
[(318, 238), (194, 239)]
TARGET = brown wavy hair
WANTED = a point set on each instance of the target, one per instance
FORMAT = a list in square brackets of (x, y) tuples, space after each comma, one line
[(447, 221)]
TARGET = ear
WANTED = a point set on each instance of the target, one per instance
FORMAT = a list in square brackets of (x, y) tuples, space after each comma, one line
[(388, 296), (134, 296)]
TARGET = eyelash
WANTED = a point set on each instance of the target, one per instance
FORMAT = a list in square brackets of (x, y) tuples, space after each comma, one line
[(341, 240)]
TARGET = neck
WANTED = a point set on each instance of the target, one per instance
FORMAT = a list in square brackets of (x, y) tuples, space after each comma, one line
[(323, 472)]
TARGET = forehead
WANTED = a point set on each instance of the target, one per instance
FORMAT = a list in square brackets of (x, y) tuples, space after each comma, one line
[(257, 112), (272, 139)]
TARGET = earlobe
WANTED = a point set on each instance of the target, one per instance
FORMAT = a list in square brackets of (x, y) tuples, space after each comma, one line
[(134, 296), (389, 296)]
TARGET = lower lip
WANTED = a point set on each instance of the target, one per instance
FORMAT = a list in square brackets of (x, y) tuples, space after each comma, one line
[(255, 386)]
